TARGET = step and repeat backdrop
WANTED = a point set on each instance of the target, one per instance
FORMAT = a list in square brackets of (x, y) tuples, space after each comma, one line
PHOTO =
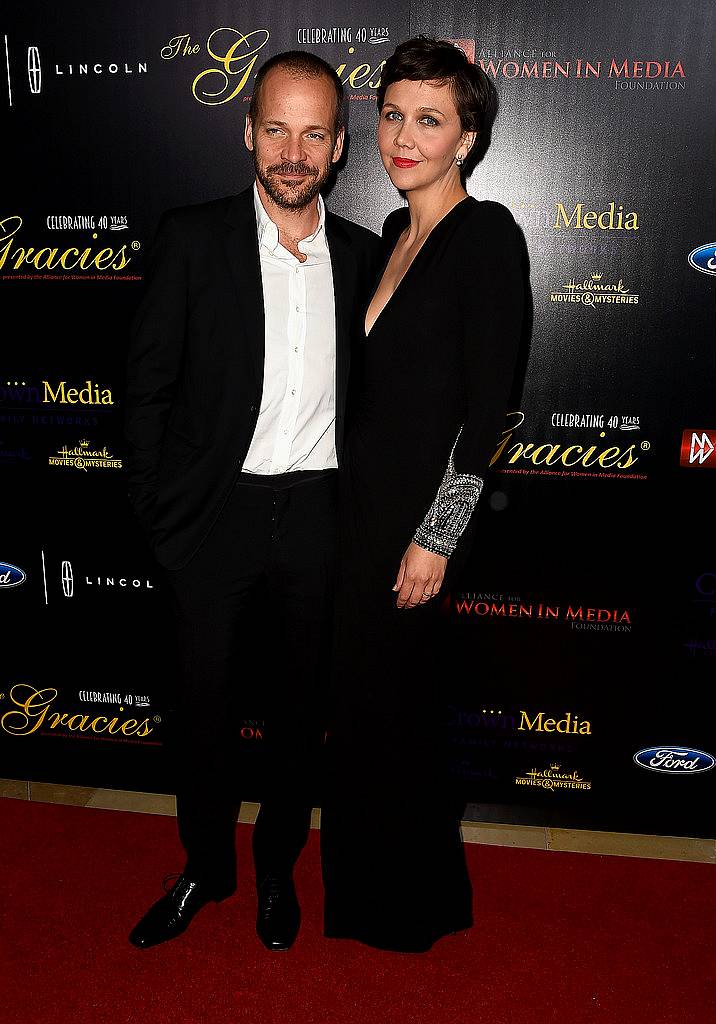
[(583, 634)]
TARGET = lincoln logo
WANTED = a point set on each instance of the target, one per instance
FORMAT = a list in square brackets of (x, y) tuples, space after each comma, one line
[(68, 583), (34, 70)]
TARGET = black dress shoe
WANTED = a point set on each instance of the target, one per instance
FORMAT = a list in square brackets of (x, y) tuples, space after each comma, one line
[(173, 913), (279, 914)]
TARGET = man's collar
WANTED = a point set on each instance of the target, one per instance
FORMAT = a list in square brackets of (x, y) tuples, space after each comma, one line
[(268, 231)]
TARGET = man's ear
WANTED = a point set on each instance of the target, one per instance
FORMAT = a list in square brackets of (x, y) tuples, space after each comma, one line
[(249, 134), (338, 146)]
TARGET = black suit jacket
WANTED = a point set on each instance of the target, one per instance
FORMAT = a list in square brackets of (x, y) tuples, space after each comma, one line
[(196, 362)]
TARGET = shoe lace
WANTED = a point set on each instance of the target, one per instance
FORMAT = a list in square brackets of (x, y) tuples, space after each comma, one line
[(271, 889)]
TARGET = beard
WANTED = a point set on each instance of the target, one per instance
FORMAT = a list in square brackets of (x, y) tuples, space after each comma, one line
[(291, 195)]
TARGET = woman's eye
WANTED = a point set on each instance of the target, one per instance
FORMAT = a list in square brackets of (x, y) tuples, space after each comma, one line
[(392, 115), (428, 120)]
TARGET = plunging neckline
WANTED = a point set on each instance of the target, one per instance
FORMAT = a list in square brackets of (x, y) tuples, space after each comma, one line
[(412, 263)]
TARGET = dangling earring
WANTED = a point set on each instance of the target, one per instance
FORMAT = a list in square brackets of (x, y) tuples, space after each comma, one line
[(459, 160)]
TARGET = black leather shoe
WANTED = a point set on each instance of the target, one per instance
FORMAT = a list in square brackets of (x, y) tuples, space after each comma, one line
[(279, 915), (173, 913)]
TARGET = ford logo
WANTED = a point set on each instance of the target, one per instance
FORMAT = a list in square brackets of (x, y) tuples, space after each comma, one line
[(10, 575), (704, 258), (674, 760)]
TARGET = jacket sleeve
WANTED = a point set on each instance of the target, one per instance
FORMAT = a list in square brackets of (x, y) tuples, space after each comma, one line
[(492, 298), (153, 365)]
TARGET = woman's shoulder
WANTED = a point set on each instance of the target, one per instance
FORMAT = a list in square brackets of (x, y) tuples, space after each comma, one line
[(487, 228), (489, 214)]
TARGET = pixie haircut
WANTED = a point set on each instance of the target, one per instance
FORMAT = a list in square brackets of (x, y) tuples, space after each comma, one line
[(302, 64), (433, 60)]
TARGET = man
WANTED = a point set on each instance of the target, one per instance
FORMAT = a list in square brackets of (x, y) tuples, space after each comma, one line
[(237, 381)]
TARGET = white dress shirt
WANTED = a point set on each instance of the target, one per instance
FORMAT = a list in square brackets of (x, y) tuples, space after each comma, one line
[(296, 423)]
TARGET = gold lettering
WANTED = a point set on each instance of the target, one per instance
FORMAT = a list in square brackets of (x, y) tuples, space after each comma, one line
[(379, 71), (232, 63), (122, 259), (609, 457), (561, 212), (83, 720), (553, 449), (362, 69), (173, 46), (525, 722), (52, 258), (571, 448), (104, 259), (520, 450), (32, 710), (65, 255), (54, 397), (34, 706), (549, 453)]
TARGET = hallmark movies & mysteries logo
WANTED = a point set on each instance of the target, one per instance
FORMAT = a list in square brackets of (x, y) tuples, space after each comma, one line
[(83, 457), (593, 291), (552, 778)]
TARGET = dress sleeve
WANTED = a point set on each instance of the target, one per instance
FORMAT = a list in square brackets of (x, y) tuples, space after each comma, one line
[(492, 296), (450, 512)]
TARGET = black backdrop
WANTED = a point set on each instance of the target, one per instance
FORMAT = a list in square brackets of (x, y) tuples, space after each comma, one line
[(584, 631)]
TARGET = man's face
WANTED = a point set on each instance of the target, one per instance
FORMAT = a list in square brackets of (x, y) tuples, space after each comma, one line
[(293, 141)]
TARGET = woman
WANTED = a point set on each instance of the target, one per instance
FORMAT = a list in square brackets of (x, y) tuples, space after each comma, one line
[(441, 338)]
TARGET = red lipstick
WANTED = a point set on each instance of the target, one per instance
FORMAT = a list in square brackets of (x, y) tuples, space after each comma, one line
[(400, 161)]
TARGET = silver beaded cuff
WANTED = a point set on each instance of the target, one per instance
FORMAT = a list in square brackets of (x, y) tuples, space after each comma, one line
[(451, 510)]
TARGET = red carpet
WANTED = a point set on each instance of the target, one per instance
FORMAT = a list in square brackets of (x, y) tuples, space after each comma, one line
[(569, 938)]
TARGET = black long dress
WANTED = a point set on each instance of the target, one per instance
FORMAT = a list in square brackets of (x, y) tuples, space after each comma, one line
[(439, 357)]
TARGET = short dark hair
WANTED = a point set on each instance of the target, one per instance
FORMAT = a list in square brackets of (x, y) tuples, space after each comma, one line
[(424, 59), (302, 64)]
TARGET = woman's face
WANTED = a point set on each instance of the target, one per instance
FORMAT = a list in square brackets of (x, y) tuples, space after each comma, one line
[(419, 135)]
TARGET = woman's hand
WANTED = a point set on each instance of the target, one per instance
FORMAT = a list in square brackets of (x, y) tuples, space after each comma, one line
[(420, 576)]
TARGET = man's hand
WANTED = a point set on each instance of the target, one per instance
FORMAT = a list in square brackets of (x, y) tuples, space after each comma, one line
[(420, 576)]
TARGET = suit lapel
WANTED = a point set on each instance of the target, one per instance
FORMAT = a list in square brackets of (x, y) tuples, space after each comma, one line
[(343, 266), (242, 251)]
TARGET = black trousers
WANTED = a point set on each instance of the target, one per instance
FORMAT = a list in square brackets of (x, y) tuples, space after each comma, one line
[(274, 542)]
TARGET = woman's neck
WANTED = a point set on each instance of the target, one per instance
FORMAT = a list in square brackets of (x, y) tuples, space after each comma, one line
[(428, 206)]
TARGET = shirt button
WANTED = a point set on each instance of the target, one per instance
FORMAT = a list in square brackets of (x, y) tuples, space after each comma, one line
[(298, 309), (293, 391), (296, 349)]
